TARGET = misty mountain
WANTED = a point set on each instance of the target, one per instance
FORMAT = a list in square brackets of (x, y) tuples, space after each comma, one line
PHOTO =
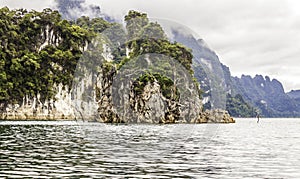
[(295, 95), (243, 96), (74, 9), (208, 70), (214, 78), (267, 95)]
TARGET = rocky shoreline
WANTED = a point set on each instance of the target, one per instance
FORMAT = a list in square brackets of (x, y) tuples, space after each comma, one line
[(94, 99), (23, 117), (209, 116), (148, 79), (149, 107)]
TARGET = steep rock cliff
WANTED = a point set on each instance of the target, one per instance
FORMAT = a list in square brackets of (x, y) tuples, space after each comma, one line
[(208, 70), (295, 95), (267, 95), (142, 78), (242, 97)]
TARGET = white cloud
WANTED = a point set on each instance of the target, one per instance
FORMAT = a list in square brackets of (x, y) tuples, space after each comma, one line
[(31, 4)]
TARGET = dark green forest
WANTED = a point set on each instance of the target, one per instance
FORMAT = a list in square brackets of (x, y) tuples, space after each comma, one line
[(40, 49), (237, 106)]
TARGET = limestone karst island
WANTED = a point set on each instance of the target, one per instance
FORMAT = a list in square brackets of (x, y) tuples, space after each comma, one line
[(95, 70)]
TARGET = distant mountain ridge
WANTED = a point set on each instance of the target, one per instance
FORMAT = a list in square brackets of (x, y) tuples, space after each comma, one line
[(244, 96), (267, 95), (295, 94)]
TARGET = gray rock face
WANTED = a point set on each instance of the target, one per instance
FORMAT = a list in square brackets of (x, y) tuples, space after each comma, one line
[(215, 116), (32, 108), (103, 92), (208, 70), (267, 95), (152, 107), (91, 101), (294, 94), (140, 101)]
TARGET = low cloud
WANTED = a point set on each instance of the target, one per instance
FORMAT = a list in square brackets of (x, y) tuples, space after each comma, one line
[(31, 4)]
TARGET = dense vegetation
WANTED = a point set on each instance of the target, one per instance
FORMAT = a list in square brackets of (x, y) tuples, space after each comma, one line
[(40, 49), (145, 37), (237, 107), (167, 85), (148, 37)]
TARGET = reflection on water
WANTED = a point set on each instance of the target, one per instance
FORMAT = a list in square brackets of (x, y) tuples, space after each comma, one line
[(269, 149)]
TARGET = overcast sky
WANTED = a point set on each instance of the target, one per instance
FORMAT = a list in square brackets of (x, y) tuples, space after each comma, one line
[(250, 36)]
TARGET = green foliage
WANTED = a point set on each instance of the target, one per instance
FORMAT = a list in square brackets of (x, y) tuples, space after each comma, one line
[(97, 25), (237, 107), (166, 84), (173, 50), (39, 49), (117, 39), (135, 21), (152, 30), (148, 37), (123, 62)]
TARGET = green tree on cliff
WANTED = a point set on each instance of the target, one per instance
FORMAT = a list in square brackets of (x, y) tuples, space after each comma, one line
[(148, 37), (39, 49)]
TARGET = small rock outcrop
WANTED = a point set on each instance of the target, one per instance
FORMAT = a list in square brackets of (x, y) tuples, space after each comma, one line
[(215, 116), (152, 107)]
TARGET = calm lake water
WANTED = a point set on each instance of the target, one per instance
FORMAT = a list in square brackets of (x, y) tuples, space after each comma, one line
[(269, 149)]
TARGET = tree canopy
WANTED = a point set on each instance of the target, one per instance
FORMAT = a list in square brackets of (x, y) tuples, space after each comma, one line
[(39, 49)]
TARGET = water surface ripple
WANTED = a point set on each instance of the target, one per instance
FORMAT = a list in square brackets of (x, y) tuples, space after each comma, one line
[(246, 149)]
